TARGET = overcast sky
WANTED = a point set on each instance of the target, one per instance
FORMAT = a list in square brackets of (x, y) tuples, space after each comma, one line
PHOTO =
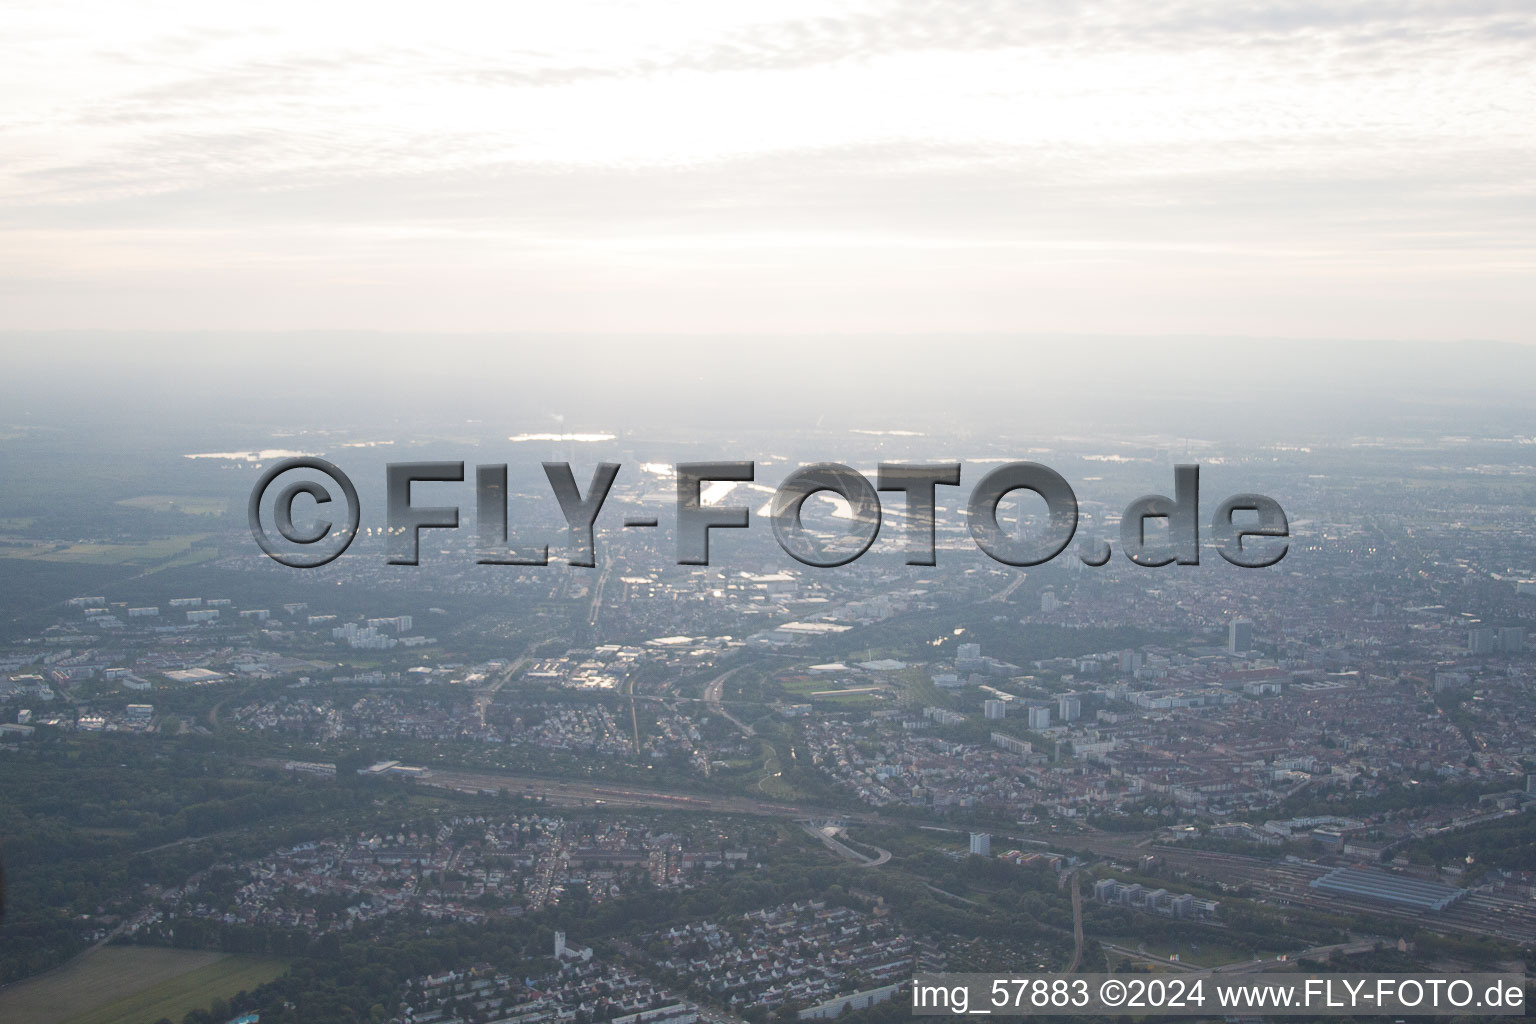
[(1311, 169)]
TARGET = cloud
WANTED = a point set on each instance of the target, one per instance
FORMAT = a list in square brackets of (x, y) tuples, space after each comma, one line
[(623, 141)]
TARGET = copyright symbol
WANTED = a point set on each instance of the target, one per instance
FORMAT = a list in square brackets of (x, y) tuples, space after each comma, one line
[(282, 512), (1112, 992)]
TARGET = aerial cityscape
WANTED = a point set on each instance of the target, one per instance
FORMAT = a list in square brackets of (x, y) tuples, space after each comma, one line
[(622, 512), (759, 790)]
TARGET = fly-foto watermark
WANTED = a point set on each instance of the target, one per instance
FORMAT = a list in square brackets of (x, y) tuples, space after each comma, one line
[(1248, 530)]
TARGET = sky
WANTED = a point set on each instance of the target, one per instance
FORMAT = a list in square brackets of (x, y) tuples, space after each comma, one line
[(1147, 167)]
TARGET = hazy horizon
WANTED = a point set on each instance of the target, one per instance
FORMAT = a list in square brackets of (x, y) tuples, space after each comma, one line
[(1248, 391), (1127, 168)]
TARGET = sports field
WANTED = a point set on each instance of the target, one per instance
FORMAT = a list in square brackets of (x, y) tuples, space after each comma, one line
[(133, 985)]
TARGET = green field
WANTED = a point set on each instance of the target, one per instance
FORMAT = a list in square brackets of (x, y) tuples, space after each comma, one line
[(921, 690), (809, 688), (178, 550), (133, 985), (191, 556), (771, 780)]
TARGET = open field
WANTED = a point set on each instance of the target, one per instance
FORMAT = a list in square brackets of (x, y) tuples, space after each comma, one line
[(921, 690), (180, 550), (173, 999), (814, 689), (133, 985), (191, 556), (191, 504), (1196, 954)]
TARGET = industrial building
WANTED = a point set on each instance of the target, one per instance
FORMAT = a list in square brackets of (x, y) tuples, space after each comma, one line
[(1385, 888)]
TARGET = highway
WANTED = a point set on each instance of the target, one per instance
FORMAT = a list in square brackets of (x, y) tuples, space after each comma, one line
[(597, 592), (714, 690), (827, 832), (486, 695), (1002, 596)]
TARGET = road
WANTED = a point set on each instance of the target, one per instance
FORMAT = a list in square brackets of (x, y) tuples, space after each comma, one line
[(769, 758), (597, 592), (1315, 953), (714, 690), (1077, 920), (828, 835), (945, 892), (634, 716), (1133, 954), (1257, 966), (1003, 595), (486, 695)]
